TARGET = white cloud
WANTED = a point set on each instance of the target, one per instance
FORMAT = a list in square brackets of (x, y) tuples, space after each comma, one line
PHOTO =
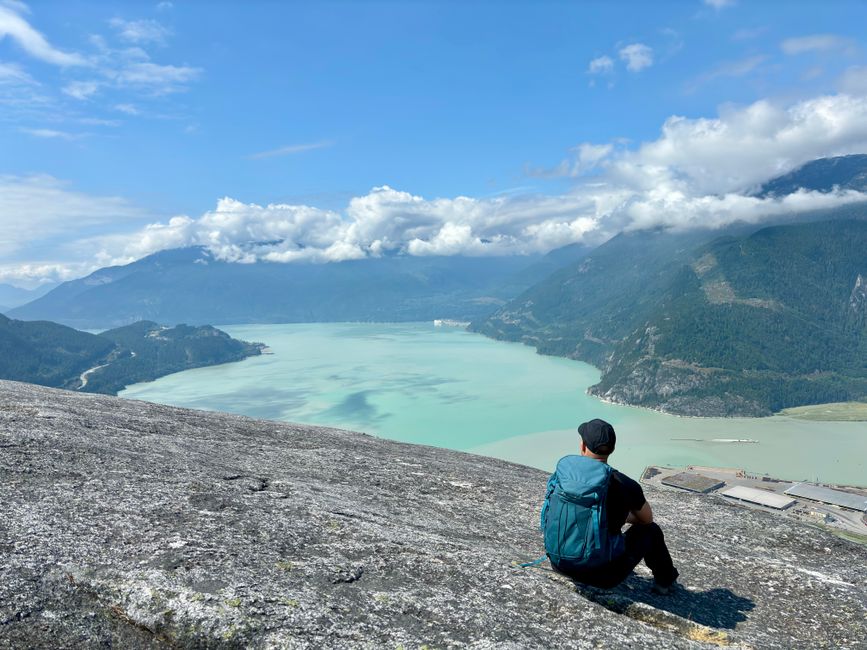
[(165, 6), (746, 145), (664, 207), (818, 43), (52, 134), (141, 31), (30, 275), (719, 4), (81, 89), (156, 78), (11, 73), (699, 172), (589, 155), (637, 56), (34, 208), (98, 121), (383, 220), (16, 5), (12, 25), (125, 72), (655, 185), (600, 65), (130, 66), (290, 149), (22, 98), (129, 109)]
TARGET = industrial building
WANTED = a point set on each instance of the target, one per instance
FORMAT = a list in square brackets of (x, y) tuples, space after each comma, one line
[(760, 497), (839, 509), (693, 482), (829, 495)]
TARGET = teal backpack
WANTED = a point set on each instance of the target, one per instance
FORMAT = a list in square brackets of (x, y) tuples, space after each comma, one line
[(574, 520)]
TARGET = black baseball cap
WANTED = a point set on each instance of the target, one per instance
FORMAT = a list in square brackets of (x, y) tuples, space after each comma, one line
[(599, 436)]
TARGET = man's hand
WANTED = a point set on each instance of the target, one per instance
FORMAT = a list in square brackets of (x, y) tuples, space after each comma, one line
[(642, 516)]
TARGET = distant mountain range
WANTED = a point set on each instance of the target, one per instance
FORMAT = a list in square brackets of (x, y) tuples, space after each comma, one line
[(695, 323), (189, 285), (11, 297), (739, 321), (50, 354)]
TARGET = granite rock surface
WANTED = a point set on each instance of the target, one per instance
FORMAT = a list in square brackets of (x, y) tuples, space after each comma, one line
[(128, 524)]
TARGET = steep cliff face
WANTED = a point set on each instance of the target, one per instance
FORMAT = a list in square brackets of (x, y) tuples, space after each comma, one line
[(858, 299), (743, 325), (134, 525), (751, 326)]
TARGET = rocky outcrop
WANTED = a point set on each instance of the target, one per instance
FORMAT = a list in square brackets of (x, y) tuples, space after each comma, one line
[(676, 386), (858, 298), (133, 525)]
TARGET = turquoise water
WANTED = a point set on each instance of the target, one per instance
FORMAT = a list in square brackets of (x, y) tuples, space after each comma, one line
[(450, 388)]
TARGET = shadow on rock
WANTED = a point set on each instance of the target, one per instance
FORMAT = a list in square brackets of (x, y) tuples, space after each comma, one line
[(717, 608)]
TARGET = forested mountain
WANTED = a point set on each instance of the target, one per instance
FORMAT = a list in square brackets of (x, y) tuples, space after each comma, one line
[(753, 325), (50, 354), (743, 325), (735, 322), (47, 353), (190, 285), (581, 310), (822, 175)]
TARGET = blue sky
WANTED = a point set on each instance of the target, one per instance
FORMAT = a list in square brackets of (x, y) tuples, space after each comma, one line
[(347, 129)]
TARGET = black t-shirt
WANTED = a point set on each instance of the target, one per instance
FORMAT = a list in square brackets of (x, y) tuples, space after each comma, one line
[(624, 496)]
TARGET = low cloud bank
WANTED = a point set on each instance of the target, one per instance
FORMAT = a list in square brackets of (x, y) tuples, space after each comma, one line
[(699, 173), (387, 220)]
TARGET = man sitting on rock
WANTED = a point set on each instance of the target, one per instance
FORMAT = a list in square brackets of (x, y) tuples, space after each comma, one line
[(586, 505)]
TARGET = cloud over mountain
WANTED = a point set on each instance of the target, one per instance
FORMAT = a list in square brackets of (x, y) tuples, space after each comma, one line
[(699, 172), (384, 220)]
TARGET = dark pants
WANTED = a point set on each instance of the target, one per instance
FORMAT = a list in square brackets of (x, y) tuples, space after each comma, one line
[(642, 542)]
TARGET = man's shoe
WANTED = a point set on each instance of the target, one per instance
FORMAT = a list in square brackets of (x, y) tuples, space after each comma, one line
[(664, 590)]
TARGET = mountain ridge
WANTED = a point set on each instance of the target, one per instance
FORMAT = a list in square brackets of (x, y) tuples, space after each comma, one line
[(192, 286), (821, 175), (12, 296), (55, 355)]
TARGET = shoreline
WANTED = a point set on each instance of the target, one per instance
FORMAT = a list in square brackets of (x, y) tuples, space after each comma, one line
[(606, 400), (504, 412)]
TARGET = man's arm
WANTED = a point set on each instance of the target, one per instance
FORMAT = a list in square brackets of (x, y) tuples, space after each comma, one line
[(644, 515)]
